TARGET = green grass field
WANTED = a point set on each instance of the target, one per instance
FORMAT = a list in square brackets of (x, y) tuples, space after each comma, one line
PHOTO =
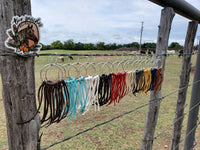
[(123, 133)]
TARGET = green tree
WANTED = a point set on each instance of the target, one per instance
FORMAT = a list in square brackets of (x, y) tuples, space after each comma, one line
[(111, 46), (134, 44), (69, 44), (79, 46), (175, 45), (149, 45), (57, 45), (89, 46), (101, 46)]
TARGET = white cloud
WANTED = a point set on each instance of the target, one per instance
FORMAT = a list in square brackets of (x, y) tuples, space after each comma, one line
[(105, 20)]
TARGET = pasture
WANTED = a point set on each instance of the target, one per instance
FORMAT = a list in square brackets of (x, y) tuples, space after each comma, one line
[(123, 133)]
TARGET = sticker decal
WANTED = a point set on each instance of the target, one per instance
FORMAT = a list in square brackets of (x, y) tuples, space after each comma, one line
[(23, 37)]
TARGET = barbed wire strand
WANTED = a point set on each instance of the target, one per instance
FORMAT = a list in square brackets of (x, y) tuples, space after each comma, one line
[(125, 113), (97, 125), (197, 140), (169, 126), (12, 53), (188, 134), (116, 54)]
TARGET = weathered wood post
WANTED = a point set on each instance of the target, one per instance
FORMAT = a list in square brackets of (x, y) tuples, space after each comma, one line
[(18, 84), (195, 100), (184, 80), (167, 16)]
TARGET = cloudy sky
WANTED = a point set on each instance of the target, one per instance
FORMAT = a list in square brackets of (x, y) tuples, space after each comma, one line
[(110, 21)]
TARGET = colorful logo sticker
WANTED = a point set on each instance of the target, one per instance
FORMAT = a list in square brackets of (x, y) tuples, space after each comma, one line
[(24, 35)]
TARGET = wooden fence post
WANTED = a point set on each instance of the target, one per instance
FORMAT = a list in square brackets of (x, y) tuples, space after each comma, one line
[(18, 84), (167, 16), (194, 101), (184, 80)]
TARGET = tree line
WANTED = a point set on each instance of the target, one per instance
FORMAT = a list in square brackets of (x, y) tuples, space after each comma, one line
[(71, 45)]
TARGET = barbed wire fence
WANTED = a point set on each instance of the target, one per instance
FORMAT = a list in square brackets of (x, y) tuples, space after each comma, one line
[(4, 52), (128, 112), (133, 110), (80, 58)]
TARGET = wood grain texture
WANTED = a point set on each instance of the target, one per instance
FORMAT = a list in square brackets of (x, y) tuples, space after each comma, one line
[(167, 15), (184, 81), (193, 117), (18, 84)]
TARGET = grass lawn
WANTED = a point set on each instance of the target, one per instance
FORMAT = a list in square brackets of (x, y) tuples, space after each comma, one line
[(123, 133)]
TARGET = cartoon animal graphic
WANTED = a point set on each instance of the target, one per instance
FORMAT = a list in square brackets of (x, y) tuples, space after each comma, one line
[(25, 35)]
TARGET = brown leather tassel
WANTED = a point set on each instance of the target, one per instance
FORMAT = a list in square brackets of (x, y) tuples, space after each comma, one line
[(158, 80)]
